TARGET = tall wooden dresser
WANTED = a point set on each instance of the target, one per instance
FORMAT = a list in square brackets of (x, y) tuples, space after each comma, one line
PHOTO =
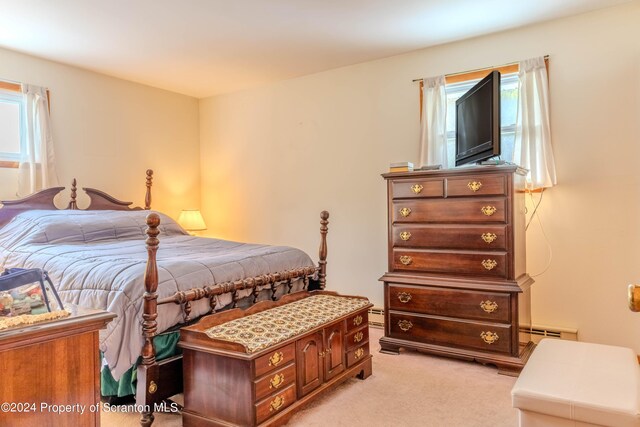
[(456, 283)]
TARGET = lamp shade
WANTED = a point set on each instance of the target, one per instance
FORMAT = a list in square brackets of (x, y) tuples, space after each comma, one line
[(191, 220)]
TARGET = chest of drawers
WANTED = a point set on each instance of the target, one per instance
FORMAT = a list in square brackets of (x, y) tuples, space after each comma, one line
[(456, 283)]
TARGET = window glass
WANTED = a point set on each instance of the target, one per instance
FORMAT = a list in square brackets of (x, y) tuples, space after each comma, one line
[(10, 118), (508, 112)]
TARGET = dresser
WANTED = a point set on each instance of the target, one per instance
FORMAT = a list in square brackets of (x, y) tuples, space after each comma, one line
[(51, 371), (256, 367), (457, 283)]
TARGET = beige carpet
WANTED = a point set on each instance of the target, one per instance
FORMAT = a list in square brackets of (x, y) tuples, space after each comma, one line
[(411, 389)]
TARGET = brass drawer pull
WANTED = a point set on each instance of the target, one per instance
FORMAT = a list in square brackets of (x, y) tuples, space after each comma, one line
[(488, 210), (474, 185), (489, 337), (358, 336), (276, 359), (405, 235), (404, 297), (489, 306), (489, 264), (405, 325), (489, 237), (276, 403), (357, 320), (405, 212), (359, 353), (276, 381), (416, 188), (406, 260)]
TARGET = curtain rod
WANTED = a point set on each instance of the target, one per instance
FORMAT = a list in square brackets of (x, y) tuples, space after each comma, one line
[(546, 57)]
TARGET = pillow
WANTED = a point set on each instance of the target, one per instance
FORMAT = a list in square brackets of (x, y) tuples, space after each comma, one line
[(78, 226)]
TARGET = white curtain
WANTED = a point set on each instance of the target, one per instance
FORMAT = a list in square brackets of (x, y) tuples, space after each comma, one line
[(433, 133), (533, 136), (37, 161)]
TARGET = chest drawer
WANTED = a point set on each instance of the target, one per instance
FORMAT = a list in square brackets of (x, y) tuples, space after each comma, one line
[(275, 403), (491, 337), (357, 337), (486, 306), (275, 381), (468, 263), (481, 185), (357, 320), (357, 354), (485, 237), (480, 210), (418, 188), (275, 359)]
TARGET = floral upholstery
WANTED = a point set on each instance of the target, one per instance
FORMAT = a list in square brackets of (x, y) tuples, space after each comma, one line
[(267, 328)]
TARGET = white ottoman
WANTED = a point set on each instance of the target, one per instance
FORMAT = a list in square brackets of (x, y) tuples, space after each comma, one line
[(570, 383)]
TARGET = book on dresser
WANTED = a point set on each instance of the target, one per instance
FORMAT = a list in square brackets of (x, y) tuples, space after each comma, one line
[(456, 283), (401, 167)]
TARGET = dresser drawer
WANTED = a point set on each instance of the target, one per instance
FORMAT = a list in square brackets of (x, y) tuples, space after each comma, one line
[(357, 320), (480, 185), (275, 381), (451, 332), (355, 355), (275, 403), (417, 188), (450, 210), (487, 306), (357, 337), (485, 237), (275, 359), (466, 263)]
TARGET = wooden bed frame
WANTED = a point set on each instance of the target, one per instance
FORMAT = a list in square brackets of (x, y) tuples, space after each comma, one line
[(159, 380)]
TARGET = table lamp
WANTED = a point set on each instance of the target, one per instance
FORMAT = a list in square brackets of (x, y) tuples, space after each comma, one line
[(191, 220)]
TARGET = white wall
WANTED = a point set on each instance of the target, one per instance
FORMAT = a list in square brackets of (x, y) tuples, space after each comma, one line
[(273, 157), (108, 131)]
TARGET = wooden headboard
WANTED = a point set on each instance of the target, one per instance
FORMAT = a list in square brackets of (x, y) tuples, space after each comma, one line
[(43, 200)]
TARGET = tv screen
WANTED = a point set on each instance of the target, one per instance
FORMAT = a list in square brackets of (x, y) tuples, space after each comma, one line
[(478, 121)]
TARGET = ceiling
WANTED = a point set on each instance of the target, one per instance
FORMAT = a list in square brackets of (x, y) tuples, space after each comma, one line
[(207, 47)]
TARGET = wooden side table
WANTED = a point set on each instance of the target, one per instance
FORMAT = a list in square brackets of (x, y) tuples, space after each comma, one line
[(51, 371)]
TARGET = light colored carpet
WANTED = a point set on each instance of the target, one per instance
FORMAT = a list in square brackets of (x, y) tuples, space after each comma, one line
[(411, 389)]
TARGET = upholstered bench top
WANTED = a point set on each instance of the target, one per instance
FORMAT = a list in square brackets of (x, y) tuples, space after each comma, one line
[(267, 328), (583, 382)]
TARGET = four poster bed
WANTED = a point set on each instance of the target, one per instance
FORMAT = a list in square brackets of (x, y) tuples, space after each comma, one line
[(96, 260)]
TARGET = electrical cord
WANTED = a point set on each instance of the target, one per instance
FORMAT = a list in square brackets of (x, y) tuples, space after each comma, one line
[(535, 209), (544, 234)]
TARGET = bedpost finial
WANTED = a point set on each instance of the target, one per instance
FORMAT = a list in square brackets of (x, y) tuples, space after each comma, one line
[(153, 220), (322, 252), (72, 202), (147, 196)]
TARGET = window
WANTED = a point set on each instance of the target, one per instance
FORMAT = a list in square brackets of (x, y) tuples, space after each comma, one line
[(11, 116), (508, 107)]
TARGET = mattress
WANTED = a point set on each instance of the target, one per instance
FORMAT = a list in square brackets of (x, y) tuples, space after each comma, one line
[(97, 259)]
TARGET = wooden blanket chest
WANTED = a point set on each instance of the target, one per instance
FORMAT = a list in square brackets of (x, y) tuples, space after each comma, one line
[(257, 366)]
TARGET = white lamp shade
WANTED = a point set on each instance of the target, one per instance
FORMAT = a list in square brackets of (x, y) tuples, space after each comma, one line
[(191, 220)]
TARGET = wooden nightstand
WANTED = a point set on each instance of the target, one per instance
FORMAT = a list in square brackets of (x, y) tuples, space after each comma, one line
[(52, 363)]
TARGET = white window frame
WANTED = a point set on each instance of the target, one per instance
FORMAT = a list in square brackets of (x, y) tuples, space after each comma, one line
[(12, 97)]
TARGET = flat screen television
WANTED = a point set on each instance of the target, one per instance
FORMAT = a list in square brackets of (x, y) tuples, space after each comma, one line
[(478, 121)]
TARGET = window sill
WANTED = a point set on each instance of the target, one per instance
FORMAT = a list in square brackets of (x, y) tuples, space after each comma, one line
[(9, 164)]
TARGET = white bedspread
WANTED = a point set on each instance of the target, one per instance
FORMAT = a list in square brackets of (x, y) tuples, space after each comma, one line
[(97, 259)]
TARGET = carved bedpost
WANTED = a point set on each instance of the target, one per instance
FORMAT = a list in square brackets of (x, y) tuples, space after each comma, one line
[(147, 197), (74, 189), (148, 370), (322, 253)]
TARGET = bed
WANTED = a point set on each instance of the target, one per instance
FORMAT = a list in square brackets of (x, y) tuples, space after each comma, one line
[(97, 258)]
